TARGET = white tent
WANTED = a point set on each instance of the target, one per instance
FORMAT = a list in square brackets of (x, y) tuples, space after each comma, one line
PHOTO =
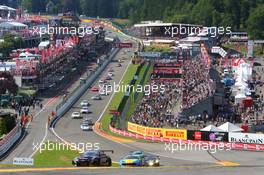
[(211, 128), (229, 127), (239, 98), (12, 26)]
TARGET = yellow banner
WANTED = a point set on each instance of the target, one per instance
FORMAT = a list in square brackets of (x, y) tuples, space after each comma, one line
[(175, 134), (158, 132)]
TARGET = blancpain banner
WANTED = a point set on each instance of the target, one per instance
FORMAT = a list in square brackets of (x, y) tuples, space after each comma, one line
[(23, 161), (246, 138)]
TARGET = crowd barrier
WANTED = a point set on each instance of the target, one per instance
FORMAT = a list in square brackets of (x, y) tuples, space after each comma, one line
[(62, 109), (141, 132), (12, 137)]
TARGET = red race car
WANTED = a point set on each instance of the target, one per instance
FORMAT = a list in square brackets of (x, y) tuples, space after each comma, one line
[(94, 89)]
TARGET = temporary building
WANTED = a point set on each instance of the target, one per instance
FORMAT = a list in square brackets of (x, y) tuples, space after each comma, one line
[(13, 26), (239, 98), (229, 127), (211, 128)]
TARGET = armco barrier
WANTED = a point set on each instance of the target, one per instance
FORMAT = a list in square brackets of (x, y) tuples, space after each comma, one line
[(8, 141), (235, 146), (81, 90)]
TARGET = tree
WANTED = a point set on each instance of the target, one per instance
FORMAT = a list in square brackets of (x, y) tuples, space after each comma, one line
[(255, 23), (27, 5), (202, 13), (7, 83), (70, 5)]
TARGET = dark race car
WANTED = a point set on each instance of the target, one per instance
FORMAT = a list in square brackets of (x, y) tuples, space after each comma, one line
[(93, 158)]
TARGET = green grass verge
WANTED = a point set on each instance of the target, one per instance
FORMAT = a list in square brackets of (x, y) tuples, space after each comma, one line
[(117, 98), (134, 103), (57, 158), (154, 48)]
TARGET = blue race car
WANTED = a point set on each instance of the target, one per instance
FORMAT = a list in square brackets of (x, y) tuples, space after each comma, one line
[(131, 160), (139, 158), (140, 154)]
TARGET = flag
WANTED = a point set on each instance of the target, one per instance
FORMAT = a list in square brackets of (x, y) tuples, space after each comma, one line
[(226, 62), (233, 62), (36, 50), (43, 56)]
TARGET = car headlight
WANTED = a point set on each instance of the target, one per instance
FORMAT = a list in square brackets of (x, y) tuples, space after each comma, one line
[(157, 161), (150, 163)]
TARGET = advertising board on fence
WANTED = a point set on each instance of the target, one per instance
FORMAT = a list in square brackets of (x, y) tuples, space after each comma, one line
[(207, 136), (158, 132), (246, 138), (149, 54), (23, 161)]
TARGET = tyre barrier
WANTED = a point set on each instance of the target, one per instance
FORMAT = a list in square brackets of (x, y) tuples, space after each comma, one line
[(234, 146)]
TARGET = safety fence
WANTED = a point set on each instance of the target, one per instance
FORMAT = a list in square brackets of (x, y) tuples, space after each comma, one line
[(180, 136), (8, 141), (67, 103)]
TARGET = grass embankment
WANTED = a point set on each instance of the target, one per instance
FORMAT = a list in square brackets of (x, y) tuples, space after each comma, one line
[(56, 157), (257, 50), (155, 48), (117, 98), (133, 102)]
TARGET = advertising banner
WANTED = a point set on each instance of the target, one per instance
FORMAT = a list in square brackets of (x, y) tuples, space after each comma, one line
[(149, 54), (175, 134), (250, 47), (167, 71), (132, 127), (167, 65), (207, 136), (249, 138), (157, 132), (124, 45)]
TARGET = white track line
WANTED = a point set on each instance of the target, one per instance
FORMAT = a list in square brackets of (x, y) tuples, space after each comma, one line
[(110, 100), (41, 143)]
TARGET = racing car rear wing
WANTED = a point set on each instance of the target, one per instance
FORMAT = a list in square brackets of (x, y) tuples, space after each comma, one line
[(112, 151)]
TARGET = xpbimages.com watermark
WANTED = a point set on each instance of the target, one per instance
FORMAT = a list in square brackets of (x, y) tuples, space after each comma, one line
[(210, 147), (59, 146), (80, 31), (146, 89), (183, 30)]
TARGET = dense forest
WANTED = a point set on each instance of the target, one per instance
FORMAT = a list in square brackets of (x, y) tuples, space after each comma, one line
[(239, 14)]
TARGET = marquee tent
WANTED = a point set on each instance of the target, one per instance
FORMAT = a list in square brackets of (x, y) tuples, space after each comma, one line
[(211, 128), (229, 127)]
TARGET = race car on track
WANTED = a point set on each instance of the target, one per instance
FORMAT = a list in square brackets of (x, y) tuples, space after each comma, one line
[(140, 154), (139, 158), (131, 160), (84, 110), (94, 89), (76, 115), (93, 158), (97, 97), (85, 103), (87, 125), (151, 160)]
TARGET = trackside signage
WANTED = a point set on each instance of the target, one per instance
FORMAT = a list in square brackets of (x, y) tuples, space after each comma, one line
[(246, 138), (23, 161)]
